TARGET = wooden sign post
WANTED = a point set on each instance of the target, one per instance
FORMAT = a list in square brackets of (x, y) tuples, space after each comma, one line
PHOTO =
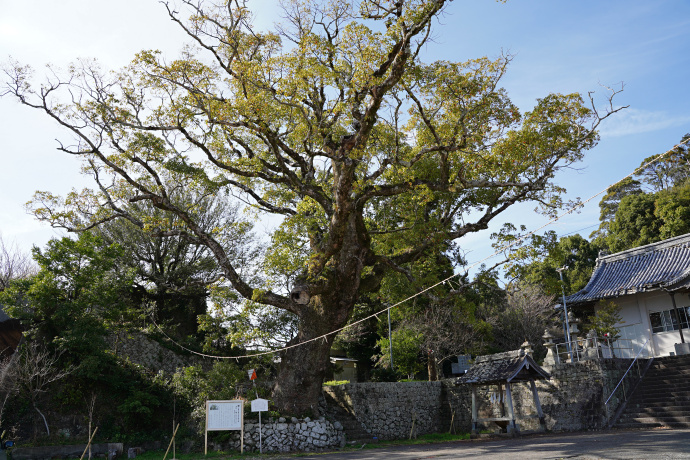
[(224, 416)]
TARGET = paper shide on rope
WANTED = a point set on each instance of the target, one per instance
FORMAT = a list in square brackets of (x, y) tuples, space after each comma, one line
[(373, 160)]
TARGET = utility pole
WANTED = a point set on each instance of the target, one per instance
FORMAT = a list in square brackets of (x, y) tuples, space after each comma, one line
[(390, 337), (565, 312)]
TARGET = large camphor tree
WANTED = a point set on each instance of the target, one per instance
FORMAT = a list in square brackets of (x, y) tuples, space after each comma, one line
[(372, 159)]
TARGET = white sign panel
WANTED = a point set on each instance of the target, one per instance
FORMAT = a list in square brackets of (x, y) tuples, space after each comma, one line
[(224, 415), (260, 405)]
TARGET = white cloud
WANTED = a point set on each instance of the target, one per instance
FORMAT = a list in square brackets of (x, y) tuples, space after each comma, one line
[(635, 121)]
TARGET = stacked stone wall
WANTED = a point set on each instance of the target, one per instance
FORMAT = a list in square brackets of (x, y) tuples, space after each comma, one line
[(387, 410), (286, 435), (146, 352), (573, 399)]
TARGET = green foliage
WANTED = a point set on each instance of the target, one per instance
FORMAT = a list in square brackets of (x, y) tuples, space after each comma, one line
[(360, 341), (609, 203), (172, 273), (385, 374), (332, 383), (631, 217), (536, 262), (650, 217), (225, 380), (78, 295), (605, 319), (407, 346), (635, 223), (668, 171)]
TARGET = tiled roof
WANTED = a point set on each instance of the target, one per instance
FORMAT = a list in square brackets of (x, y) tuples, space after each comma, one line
[(662, 265), (511, 366)]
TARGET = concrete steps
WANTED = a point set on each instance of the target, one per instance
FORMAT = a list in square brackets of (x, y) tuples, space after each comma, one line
[(663, 397)]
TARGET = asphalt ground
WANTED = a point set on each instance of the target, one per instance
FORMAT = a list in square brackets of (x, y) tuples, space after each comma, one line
[(615, 444)]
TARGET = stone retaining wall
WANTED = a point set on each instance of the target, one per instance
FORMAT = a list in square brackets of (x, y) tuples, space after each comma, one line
[(148, 353), (572, 400), (284, 435), (387, 410)]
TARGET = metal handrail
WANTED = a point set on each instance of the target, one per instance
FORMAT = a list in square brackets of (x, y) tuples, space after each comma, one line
[(626, 372), (577, 349)]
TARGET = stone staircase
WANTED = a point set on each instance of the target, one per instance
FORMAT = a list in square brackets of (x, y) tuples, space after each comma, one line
[(354, 432), (662, 399)]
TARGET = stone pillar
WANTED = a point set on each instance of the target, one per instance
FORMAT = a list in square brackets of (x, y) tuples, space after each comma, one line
[(591, 346), (512, 426), (475, 411), (574, 330), (537, 404), (551, 353)]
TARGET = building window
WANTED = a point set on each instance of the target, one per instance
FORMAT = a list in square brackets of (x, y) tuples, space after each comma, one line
[(667, 320)]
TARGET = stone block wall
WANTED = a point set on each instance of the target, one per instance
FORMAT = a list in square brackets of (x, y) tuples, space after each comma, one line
[(286, 435), (148, 353), (387, 410), (574, 397), (572, 400)]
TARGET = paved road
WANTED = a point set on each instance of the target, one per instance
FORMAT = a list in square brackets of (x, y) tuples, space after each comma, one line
[(648, 444)]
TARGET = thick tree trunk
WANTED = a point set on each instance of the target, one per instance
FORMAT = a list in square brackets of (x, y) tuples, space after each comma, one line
[(431, 366), (303, 368), (302, 371)]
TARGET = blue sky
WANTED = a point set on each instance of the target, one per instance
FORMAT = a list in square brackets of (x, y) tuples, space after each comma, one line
[(558, 46)]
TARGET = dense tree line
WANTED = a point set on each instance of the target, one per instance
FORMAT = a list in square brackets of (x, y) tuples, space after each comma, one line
[(652, 206)]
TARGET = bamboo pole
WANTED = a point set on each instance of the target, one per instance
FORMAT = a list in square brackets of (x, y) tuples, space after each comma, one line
[(89, 444), (171, 442), (414, 420)]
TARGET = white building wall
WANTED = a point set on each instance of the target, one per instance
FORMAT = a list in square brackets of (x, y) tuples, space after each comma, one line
[(635, 324)]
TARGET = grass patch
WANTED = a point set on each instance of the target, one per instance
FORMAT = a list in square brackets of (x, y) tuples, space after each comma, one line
[(332, 383)]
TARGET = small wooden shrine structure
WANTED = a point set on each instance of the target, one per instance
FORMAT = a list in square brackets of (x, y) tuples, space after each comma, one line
[(502, 370)]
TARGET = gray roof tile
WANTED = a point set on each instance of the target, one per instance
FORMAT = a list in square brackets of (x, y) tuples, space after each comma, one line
[(662, 265), (510, 366)]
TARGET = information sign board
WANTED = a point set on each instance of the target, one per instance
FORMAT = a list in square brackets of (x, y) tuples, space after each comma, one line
[(222, 416), (260, 405)]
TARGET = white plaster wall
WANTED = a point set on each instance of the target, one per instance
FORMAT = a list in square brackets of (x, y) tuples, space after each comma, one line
[(635, 325), (664, 342)]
